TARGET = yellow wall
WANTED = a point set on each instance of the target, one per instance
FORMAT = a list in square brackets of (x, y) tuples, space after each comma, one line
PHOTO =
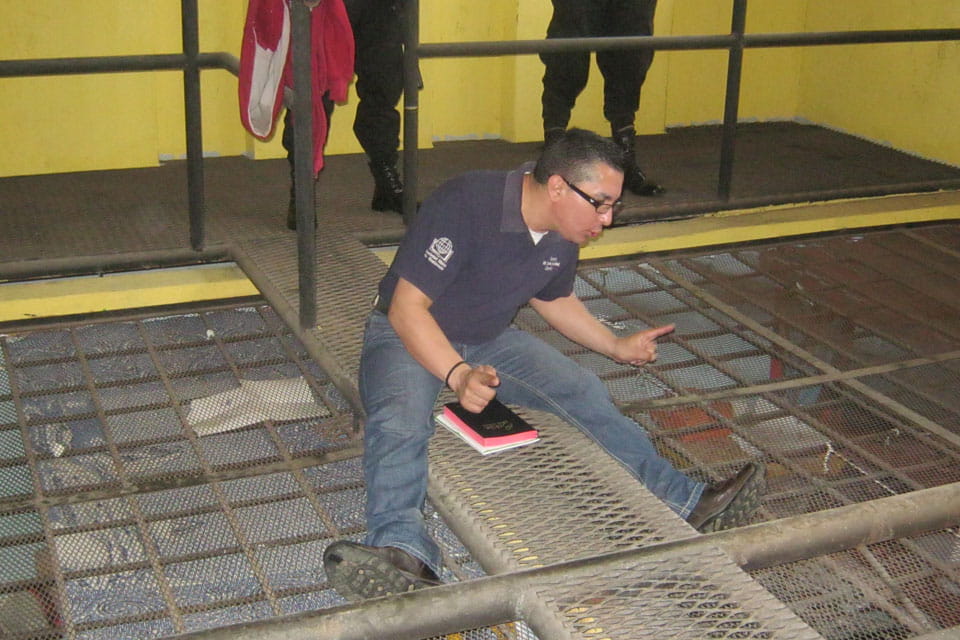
[(904, 94), (697, 79)]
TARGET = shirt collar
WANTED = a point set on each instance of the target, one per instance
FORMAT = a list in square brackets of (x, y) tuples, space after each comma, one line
[(511, 219)]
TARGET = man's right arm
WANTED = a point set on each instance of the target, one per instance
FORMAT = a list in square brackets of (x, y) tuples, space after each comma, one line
[(423, 338)]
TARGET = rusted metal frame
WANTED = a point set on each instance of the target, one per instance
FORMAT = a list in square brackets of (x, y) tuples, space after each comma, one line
[(729, 284), (803, 354), (152, 558), (31, 457), (725, 283), (930, 243), (714, 361), (167, 483), (705, 399), (918, 421), (792, 383)]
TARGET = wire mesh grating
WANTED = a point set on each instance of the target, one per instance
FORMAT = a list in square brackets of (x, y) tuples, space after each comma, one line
[(787, 352), (125, 513)]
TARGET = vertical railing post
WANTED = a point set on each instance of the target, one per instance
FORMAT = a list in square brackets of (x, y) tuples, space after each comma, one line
[(303, 164), (194, 132), (411, 107), (732, 101)]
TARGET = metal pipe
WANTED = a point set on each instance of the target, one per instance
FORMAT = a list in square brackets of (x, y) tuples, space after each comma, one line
[(219, 60), (821, 533), (411, 616), (194, 127), (677, 43), (411, 109), (763, 40), (732, 99), (116, 64), (553, 45), (304, 195), (160, 62), (503, 598), (100, 64), (87, 265)]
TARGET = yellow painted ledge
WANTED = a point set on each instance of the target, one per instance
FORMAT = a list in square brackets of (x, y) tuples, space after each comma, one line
[(748, 225), (158, 287), (115, 291)]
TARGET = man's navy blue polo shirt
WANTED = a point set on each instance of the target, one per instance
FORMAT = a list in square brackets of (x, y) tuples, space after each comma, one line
[(471, 253)]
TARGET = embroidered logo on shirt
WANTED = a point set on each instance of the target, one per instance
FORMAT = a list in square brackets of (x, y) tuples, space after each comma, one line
[(439, 252), (551, 264)]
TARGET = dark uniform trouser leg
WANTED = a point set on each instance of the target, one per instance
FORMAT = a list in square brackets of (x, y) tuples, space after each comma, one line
[(566, 74), (624, 71), (378, 34)]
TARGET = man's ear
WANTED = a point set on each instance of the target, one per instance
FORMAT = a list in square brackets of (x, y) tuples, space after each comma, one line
[(555, 186)]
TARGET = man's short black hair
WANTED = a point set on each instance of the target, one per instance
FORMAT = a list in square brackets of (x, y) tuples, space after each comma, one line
[(575, 154)]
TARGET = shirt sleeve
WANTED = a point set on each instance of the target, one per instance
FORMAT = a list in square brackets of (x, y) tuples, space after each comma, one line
[(561, 285), (438, 245)]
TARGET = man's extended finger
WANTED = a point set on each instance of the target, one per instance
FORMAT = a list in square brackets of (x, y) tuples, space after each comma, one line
[(656, 332)]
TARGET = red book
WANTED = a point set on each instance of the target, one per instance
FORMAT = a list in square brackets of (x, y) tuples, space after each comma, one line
[(493, 429)]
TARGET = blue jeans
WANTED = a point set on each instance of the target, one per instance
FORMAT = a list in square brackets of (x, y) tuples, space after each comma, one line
[(399, 397)]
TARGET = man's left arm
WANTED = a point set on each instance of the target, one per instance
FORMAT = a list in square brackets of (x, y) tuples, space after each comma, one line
[(569, 316)]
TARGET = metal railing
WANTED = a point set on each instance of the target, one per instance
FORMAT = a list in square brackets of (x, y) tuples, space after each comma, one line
[(498, 599), (735, 42), (503, 598)]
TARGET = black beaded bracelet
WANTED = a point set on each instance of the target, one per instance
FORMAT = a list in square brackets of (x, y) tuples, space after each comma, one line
[(446, 380)]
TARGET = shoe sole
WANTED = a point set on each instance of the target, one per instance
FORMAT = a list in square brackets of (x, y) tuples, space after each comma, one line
[(743, 505), (357, 574)]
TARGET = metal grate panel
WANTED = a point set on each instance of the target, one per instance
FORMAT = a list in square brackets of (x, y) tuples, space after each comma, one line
[(675, 596), (117, 519), (800, 353)]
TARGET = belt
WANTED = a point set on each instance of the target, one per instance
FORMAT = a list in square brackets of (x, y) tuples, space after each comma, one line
[(380, 304)]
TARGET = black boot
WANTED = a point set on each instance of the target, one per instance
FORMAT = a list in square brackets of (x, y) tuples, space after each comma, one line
[(388, 188), (633, 178)]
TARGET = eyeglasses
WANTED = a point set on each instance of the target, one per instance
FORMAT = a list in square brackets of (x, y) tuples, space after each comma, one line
[(600, 206)]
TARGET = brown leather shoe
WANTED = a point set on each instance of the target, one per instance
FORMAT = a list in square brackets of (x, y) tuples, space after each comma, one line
[(360, 571), (732, 502)]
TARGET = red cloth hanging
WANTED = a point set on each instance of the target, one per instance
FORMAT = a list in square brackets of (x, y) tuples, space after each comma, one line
[(266, 65)]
